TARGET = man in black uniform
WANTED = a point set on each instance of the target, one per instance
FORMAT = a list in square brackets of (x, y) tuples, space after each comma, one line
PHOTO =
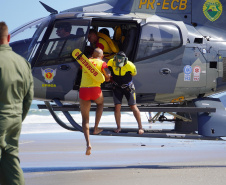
[(122, 72)]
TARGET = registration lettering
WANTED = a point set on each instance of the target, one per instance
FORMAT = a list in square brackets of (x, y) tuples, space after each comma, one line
[(48, 85), (165, 4)]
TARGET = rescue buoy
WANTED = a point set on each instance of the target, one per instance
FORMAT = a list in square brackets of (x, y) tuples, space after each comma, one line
[(88, 66)]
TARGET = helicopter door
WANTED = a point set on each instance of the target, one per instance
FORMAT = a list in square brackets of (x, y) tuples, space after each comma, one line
[(159, 57), (55, 71)]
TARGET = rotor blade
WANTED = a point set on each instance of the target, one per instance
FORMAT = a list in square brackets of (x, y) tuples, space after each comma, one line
[(49, 9)]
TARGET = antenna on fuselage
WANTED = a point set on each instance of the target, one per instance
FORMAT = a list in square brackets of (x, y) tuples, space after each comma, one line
[(49, 9)]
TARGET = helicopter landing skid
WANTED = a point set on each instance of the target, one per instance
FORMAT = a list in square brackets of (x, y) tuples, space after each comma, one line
[(76, 126), (126, 132)]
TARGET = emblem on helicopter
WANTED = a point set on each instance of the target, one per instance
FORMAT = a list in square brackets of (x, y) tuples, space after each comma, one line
[(187, 73), (212, 9), (196, 71), (48, 74)]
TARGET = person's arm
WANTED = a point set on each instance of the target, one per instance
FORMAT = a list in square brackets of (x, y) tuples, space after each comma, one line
[(106, 71), (134, 72), (107, 74), (133, 69), (28, 98)]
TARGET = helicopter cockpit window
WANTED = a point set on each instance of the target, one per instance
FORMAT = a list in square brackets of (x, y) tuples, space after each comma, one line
[(64, 38), (157, 39), (25, 40)]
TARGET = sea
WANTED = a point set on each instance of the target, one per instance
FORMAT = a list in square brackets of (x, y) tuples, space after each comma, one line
[(41, 121)]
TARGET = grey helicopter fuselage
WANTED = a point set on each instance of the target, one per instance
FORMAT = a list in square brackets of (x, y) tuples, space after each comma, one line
[(177, 46), (176, 60)]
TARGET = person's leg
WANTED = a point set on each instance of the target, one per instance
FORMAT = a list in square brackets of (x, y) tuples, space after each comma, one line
[(131, 98), (118, 117), (85, 108), (11, 172), (136, 113), (117, 97), (100, 105), (1, 170)]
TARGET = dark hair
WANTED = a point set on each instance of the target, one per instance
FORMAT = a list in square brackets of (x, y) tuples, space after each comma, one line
[(65, 25), (105, 31), (93, 31)]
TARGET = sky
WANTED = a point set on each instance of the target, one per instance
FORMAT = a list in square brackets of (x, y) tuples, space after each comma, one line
[(18, 12)]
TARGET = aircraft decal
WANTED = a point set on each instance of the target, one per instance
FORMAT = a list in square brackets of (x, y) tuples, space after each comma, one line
[(48, 74), (48, 85), (164, 5), (187, 73), (212, 9), (196, 71), (179, 99)]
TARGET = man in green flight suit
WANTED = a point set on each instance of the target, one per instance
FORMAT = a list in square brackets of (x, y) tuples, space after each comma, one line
[(16, 93)]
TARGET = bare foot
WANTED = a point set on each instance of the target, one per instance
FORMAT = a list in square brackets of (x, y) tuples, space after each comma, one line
[(88, 150), (97, 131), (140, 131), (117, 130)]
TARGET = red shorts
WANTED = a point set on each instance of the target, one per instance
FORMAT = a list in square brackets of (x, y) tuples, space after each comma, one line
[(89, 93)]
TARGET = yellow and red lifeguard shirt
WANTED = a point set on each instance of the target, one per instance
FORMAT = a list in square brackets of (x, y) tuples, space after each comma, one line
[(87, 80)]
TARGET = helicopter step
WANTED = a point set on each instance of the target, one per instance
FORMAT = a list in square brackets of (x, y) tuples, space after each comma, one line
[(76, 107), (127, 132)]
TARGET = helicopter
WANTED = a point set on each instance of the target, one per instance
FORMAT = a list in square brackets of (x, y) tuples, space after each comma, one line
[(177, 46)]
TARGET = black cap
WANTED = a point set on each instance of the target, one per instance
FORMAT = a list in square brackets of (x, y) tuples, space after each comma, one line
[(121, 53)]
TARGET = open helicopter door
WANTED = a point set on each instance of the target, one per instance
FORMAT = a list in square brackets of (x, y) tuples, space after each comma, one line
[(159, 56), (55, 71)]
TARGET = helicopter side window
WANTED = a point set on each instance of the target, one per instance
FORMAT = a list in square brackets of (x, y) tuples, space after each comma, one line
[(157, 39), (25, 40), (64, 38)]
